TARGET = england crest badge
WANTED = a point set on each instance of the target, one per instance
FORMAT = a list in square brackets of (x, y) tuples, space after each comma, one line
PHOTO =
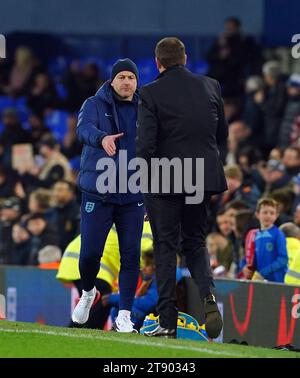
[(89, 207)]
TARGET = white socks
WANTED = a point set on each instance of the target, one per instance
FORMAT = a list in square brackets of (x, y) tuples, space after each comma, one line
[(124, 313)]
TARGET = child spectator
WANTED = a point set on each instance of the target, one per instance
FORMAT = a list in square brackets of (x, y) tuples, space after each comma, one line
[(224, 224), (270, 259), (220, 253), (39, 202), (237, 190), (146, 296)]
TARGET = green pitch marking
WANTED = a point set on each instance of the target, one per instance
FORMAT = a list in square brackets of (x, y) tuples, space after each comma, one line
[(35, 340)]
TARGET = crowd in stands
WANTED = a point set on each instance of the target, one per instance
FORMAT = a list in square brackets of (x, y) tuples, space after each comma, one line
[(39, 204)]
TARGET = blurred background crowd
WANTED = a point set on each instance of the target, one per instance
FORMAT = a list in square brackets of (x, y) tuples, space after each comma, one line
[(40, 155)]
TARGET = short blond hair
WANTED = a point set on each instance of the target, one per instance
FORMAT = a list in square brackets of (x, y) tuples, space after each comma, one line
[(233, 172)]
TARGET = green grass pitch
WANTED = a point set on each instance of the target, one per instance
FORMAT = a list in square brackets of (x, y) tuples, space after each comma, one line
[(34, 340)]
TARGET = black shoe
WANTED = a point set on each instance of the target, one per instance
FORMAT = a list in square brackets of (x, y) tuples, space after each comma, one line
[(214, 323), (161, 332)]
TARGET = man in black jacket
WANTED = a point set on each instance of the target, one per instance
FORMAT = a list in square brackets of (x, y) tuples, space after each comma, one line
[(181, 116)]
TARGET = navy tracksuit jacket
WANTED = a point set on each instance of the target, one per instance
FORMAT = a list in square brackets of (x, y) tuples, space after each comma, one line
[(101, 115)]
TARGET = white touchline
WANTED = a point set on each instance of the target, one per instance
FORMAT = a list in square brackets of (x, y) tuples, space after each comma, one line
[(116, 339)]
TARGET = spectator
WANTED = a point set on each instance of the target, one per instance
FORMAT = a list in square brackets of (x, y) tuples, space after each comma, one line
[(246, 263), (274, 176), (4, 75), (271, 259), (42, 234), (272, 102), (107, 277), (22, 73), (49, 257), (231, 210), (146, 297), (292, 234), (276, 154), (284, 197), (42, 95), (292, 110), (81, 84), (21, 244), (66, 211), (71, 145), (40, 203), (37, 130), (291, 160), (220, 252), (54, 168), (253, 114), (297, 216), (296, 191), (232, 108), (224, 224), (12, 134), (9, 214), (10, 185), (232, 57), (237, 190), (292, 276)]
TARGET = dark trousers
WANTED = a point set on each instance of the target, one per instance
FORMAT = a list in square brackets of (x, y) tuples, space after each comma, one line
[(97, 218), (173, 221)]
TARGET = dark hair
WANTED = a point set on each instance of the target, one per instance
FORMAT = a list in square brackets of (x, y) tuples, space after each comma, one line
[(242, 219), (148, 258), (253, 155), (237, 205), (221, 212), (170, 51), (294, 148), (34, 217), (235, 20)]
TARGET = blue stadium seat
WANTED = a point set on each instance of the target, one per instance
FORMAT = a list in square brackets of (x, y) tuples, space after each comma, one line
[(147, 70), (57, 122), (201, 67), (93, 59), (5, 102), (19, 104), (61, 90), (75, 163), (108, 63), (58, 66)]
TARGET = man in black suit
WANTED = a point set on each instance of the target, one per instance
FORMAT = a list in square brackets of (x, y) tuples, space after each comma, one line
[(181, 116)]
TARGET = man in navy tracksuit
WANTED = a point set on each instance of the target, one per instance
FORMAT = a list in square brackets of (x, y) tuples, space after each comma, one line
[(106, 125)]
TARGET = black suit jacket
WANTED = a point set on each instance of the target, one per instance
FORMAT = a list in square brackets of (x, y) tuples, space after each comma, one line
[(182, 115)]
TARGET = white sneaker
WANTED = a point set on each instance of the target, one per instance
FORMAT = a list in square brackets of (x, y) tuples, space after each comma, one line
[(123, 324), (82, 310)]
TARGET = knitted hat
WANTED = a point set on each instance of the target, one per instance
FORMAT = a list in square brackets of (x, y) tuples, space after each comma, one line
[(124, 65)]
